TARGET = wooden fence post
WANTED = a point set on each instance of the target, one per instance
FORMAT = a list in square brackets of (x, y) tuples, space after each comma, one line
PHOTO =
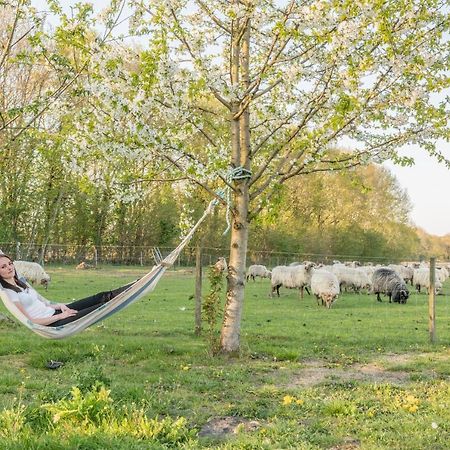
[(432, 302), (198, 290)]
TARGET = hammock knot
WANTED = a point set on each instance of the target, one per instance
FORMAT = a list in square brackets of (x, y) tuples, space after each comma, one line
[(237, 173)]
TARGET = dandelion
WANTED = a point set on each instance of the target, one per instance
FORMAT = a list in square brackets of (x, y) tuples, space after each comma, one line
[(288, 399), (434, 425), (299, 401)]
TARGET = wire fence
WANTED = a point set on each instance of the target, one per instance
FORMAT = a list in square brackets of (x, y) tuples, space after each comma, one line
[(144, 255)]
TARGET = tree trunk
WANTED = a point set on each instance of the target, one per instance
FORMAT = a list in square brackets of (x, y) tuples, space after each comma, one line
[(240, 130), (230, 335)]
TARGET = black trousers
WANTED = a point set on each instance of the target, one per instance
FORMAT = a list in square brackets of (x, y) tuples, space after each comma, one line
[(89, 304)]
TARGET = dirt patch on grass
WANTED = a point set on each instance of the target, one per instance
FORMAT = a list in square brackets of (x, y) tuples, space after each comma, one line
[(394, 359), (14, 361), (316, 372), (218, 427)]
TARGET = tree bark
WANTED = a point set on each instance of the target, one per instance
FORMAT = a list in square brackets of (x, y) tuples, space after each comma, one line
[(230, 334)]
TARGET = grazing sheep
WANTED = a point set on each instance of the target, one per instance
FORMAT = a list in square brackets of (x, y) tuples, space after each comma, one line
[(421, 278), (386, 281), (351, 278), (33, 272), (258, 270), (292, 277), (325, 286)]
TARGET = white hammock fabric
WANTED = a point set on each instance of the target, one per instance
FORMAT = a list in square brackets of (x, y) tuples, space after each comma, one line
[(141, 287)]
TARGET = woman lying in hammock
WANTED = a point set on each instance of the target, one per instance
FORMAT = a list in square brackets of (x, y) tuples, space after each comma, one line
[(41, 311)]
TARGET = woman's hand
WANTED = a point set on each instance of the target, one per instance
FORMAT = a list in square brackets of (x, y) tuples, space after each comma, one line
[(67, 313), (63, 307)]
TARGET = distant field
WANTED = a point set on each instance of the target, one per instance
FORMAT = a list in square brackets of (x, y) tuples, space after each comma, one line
[(361, 375)]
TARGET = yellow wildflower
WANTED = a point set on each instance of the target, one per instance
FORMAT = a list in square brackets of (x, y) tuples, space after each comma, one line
[(288, 399)]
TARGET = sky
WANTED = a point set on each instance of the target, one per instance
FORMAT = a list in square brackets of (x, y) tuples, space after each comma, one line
[(427, 182), (428, 186)]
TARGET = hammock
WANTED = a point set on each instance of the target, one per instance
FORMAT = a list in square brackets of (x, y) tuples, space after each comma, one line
[(141, 287)]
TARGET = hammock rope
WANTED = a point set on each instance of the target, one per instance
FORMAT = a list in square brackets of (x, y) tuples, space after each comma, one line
[(141, 287)]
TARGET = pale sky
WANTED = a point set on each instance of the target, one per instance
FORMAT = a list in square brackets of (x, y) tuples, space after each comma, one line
[(428, 187), (427, 182)]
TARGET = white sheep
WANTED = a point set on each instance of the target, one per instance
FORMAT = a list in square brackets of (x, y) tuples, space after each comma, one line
[(291, 277), (221, 264), (421, 278), (325, 286), (368, 270), (403, 272), (442, 273), (352, 278), (32, 272), (258, 270)]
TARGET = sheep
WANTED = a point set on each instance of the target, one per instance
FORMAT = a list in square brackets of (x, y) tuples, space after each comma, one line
[(258, 270), (421, 278), (32, 272), (350, 277), (442, 273), (221, 264), (404, 272), (292, 277), (325, 286), (368, 270), (386, 281), (304, 263), (353, 264), (84, 266)]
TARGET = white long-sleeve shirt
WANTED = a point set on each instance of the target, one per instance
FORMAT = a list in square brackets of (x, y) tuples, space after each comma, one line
[(32, 303)]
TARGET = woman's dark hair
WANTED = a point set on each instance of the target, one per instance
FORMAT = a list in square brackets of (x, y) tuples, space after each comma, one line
[(7, 285)]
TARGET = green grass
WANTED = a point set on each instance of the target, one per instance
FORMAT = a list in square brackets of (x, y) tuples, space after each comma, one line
[(361, 375)]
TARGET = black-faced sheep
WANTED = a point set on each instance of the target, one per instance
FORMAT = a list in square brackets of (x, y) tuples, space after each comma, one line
[(387, 281)]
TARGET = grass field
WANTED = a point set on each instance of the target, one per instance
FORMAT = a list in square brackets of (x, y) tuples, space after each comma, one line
[(362, 375)]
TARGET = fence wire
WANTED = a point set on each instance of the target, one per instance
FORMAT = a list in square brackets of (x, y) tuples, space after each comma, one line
[(145, 255)]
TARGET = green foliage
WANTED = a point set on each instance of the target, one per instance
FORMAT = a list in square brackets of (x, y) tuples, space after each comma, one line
[(88, 414), (212, 308), (92, 379)]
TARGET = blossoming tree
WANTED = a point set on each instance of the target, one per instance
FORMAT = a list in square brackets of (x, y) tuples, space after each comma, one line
[(272, 89)]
